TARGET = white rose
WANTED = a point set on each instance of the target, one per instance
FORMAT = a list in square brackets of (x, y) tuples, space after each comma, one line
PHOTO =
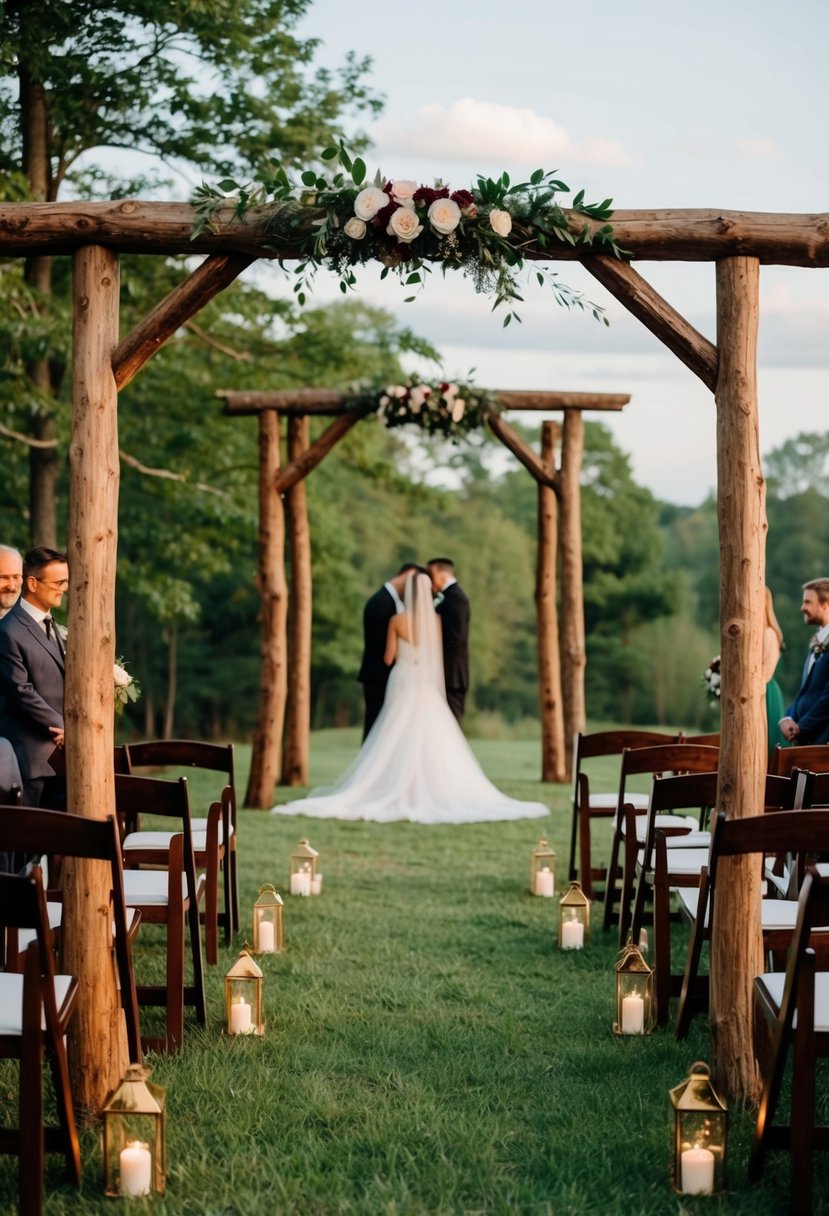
[(500, 222), (403, 191), (404, 225), (355, 228), (444, 216), (396, 390), (715, 680), (369, 201), (417, 398), (458, 408), (122, 678)]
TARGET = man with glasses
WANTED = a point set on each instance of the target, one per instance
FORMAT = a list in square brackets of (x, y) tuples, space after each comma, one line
[(11, 578), (32, 676)]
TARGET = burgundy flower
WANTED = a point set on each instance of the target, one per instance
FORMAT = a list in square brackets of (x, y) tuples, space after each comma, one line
[(427, 194), (463, 198)]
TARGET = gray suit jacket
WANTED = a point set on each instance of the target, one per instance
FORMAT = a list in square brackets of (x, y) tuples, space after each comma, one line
[(31, 691)]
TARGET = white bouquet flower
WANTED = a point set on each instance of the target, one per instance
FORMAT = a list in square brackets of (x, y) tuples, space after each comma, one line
[(126, 686)]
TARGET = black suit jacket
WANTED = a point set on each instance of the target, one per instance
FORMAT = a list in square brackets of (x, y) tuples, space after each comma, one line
[(31, 691), (379, 610), (453, 611), (810, 708)]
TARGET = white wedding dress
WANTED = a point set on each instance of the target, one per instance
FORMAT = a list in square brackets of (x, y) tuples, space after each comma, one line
[(415, 763)]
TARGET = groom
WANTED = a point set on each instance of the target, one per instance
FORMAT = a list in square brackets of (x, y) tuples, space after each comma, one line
[(807, 718), (452, 607), (379, 609)]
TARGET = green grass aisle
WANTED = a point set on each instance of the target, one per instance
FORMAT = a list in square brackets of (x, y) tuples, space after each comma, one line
[(427, 1050)]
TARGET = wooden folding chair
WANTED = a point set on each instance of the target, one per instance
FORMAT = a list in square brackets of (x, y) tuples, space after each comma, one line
[(168, 896), (588, 804), (664, 758), (35, 1011), (215, 837), (26, 830), (812, 757), (796, 1007)]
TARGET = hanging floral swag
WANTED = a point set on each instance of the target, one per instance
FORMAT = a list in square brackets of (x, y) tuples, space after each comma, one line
[(485, 232), (447, 408)]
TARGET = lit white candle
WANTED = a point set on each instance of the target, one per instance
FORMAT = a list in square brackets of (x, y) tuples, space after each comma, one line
[(301, 883), (697, 1171), (544, 883), (266, 937), (633, 1015), (316, 885), (240, 1019), (136, 1169), (572, 935)]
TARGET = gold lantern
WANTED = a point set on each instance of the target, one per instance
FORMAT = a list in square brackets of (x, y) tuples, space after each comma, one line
[(305, 880), (267, 922), (700, 1129), (634, 993), (573, 918), (134, 1145), (243, 997), (543, 870)]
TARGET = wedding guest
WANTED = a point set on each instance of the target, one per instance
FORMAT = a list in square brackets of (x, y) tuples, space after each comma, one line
[(32, 677), (452, 606), (807, 718), (378, 611), (772, 646), (11, 578)]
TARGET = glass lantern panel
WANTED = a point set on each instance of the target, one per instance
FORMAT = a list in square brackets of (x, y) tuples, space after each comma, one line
[(701, 1140)]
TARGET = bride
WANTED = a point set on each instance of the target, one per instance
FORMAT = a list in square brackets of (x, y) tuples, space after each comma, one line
[(415, 762)]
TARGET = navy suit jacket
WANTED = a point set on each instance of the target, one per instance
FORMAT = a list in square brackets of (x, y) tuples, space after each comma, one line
[(31, 691), (810, 708)]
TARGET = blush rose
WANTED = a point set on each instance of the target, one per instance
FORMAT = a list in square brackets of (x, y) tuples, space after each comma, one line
[(444, 216), (404, 224)]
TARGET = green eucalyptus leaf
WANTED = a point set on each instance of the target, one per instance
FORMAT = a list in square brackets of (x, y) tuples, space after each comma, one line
[(358, 171)]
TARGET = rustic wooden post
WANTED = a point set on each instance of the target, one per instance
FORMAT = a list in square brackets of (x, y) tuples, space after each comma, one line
[(573, 652), (97, 1041), (267, 738), (553, 760), (736, 949), (298, 713)]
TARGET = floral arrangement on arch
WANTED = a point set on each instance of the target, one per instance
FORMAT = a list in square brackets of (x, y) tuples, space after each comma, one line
[(712, 681), (127, 687), (484, 232), (445, 408)]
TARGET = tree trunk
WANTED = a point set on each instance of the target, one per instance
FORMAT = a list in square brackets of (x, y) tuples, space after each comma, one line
[(573, 649), (553, 760), (172, 681), (736, 948), (298, 713), (267, 738), (97, 1043)]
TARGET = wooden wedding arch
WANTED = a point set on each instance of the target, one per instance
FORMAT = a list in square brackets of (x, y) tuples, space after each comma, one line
[(285, 648), (95, 233)]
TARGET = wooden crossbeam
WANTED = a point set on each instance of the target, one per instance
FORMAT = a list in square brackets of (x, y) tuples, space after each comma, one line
[(540, 470), (639, 298), (132, 226), (295, 402), (184, 301), (296, 469)]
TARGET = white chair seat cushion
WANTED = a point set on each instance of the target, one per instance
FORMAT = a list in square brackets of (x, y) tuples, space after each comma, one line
[(609, 802), (11, 1000), (773, 983), (686, 862), (822, 868), (685, 823), (200, 825), (55, 910), (689, 901), (149, 887), (149, 840)]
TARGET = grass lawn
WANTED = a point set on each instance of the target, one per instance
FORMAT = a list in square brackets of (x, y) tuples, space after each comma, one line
[(428, 1050)]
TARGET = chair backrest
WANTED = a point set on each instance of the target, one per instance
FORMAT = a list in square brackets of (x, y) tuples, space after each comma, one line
[(818, 788), (153, 796), (813, 757), (613, 743), (795, 832), (710, 740), (186, 753)]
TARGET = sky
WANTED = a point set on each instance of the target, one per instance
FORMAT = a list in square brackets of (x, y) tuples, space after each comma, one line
[(657, 105)]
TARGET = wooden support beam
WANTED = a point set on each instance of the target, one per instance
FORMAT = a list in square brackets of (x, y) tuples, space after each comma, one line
[(97, 1045), (544, 474), (553, 758), (295, 470), (639, 298), (273, 590), (296, 746), (573, 647), (291, 402), (736, 947), (184, 301), (132, 226)]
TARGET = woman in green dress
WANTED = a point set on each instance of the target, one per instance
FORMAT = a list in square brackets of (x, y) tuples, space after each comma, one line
[(772, 646)]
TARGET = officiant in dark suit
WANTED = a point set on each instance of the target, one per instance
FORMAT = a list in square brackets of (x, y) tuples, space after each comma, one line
[(32, 664), (807, 718), (452, 606), (374, 674)]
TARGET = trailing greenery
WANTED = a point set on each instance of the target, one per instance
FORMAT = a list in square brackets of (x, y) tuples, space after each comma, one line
[(428, 1051)]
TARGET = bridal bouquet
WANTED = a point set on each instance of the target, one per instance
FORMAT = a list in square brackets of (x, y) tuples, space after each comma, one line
[(126, 686), (485, 231), (711, 680)]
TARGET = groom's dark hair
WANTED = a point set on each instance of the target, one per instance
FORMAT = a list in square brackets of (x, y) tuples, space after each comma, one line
[(443, 563), (408, 566)]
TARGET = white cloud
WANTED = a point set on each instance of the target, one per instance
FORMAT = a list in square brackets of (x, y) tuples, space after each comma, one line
[(482, 131), (756, 149)]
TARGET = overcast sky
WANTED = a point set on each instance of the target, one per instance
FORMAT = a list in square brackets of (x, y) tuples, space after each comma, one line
[(664, 104)]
